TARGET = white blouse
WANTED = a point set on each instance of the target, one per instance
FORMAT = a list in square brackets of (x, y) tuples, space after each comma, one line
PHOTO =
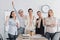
[(49, 28), (30, 25)]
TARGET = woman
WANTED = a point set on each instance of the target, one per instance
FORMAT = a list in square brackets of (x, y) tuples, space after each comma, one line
[(30, 25), (21, 30), (12, 32), (39, 24), (50, 24)]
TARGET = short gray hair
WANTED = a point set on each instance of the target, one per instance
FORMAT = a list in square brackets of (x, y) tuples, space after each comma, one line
[(21, 10)]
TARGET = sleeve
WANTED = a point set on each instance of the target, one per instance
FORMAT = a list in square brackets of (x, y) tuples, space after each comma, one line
[(7, 26), (17, 14), (6, 20), (55, 21), (44, 22), (17, 21), (34, 21), (47, 22), (26, 20)]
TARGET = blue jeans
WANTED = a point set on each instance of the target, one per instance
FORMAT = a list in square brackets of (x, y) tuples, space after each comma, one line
[(12, 37), (21, 30), (49, 36)]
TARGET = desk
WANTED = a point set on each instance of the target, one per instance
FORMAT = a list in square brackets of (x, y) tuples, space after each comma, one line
[(35, 37), (38, 37)]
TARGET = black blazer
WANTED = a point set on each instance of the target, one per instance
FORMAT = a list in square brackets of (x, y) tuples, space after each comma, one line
[(41, 29)]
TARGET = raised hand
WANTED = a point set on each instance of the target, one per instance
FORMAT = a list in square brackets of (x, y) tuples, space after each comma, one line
[(12, 3)]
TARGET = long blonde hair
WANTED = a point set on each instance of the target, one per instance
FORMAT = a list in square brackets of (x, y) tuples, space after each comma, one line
[(49, 12)]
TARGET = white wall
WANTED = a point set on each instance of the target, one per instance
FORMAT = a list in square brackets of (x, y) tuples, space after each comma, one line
[(34, 4), (25, 4)]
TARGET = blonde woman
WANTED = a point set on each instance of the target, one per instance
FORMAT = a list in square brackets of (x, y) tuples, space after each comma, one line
[(50, 24)]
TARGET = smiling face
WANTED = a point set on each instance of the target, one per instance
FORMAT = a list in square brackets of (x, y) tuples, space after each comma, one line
[(50, 13), (20, 12), (39, 14), (30, 11), (13, 14)]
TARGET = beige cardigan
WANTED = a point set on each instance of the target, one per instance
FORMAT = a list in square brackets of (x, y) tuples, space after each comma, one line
[(32, 26)]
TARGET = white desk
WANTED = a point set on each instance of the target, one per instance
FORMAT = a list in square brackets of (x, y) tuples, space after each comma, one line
[(35, 37)]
